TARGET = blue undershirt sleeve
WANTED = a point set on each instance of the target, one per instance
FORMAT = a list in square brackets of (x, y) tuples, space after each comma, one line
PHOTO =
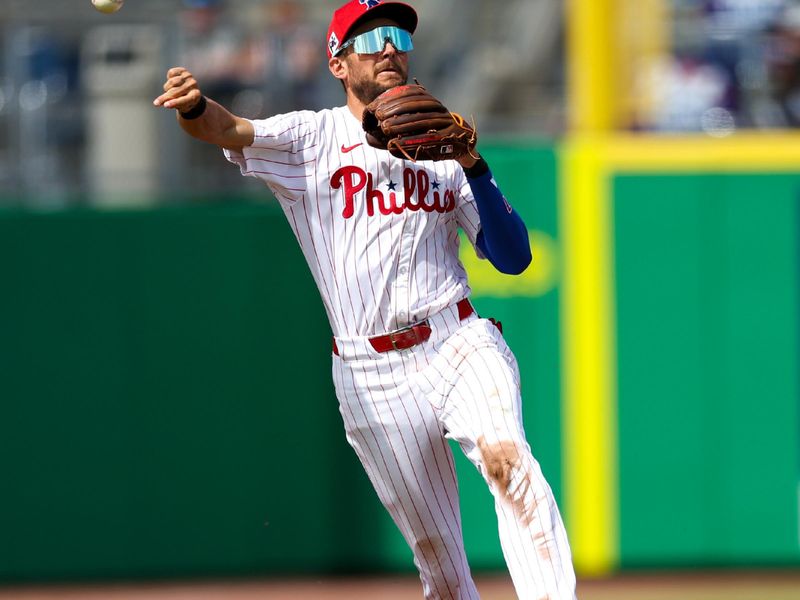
[(503, 237)]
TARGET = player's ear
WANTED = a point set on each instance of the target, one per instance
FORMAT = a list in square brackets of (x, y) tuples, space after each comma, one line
[(338, 67)]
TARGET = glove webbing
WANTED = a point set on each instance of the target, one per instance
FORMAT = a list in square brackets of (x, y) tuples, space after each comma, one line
[(419, 142)]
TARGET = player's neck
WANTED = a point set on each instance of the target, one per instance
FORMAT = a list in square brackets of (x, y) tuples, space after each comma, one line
[(356, 106)]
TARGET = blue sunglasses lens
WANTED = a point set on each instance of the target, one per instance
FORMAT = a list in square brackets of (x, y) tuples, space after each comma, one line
[(375, 40)]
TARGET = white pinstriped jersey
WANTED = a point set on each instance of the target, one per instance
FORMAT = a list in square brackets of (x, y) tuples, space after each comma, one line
[(380, 234)]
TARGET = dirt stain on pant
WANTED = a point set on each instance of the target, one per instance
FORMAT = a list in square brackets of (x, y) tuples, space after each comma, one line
[(507, 470)]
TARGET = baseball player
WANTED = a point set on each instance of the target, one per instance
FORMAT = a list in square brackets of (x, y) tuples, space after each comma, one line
[(413, 364)]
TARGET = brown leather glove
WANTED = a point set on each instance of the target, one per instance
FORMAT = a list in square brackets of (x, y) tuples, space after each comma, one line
[(410, 123)]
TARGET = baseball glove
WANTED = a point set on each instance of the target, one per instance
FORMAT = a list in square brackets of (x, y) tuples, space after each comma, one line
[(410, 123)]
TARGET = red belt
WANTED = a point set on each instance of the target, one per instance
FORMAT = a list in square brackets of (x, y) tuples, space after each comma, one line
[(408, 337)]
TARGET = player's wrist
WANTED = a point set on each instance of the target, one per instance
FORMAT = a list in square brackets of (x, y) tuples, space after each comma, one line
[(196, 111), (478, 167), (468, 160)]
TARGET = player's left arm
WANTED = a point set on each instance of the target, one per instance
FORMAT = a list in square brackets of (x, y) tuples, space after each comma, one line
[(503, 236)]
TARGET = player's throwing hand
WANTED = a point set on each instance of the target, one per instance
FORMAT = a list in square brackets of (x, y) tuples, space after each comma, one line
[(201, 117), (180, 91)]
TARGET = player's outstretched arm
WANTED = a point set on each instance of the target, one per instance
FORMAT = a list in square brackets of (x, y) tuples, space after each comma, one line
[(201, 117)]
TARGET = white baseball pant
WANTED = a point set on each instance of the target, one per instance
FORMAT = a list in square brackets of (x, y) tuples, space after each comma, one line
[(399, 408)]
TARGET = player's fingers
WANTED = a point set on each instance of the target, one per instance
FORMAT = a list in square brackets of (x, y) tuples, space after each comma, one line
[(175, 71), (178, 80), (176, 88), (184, 102), (170, 98), (175, 76)]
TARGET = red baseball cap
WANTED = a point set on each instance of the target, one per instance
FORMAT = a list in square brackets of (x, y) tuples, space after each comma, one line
[(349, 15)]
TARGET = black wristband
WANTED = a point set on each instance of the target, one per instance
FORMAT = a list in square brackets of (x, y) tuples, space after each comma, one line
[(479, 168), (197, 110)]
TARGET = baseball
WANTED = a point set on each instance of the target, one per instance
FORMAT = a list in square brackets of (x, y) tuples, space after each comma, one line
[(107, 6)]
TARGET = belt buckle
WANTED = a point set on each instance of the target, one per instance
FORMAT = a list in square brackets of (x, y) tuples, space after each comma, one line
[(401, 332)]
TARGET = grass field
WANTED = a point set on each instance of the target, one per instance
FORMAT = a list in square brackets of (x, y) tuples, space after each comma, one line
[(662, 586)]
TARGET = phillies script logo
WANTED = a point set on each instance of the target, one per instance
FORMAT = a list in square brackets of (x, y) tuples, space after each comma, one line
[(416, 194)]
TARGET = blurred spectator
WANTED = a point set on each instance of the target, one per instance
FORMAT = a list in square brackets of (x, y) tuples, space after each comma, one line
[(783, 64), (291, 59), (40, 148), (716, 75), (300, 45), (687, 92), (214, 48), (736, 18)]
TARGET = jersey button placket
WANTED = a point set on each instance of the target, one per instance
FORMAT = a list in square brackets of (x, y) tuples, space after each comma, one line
[(403, 267)]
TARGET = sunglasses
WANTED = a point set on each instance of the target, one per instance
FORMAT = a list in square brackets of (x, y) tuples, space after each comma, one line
[(376, 40)]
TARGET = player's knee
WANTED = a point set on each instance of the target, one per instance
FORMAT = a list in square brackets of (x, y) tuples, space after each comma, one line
[(500, 460), (508, 469)]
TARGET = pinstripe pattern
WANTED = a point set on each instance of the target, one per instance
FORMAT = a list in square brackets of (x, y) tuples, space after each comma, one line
[(375, 273), (380, 235)]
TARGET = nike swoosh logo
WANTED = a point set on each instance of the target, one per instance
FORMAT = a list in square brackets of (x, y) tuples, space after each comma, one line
[(346, 149)]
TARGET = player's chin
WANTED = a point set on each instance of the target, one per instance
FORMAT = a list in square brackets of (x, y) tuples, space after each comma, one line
[(390, 78)]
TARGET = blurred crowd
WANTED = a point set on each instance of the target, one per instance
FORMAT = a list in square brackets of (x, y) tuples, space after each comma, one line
[(272, 67), (726, 65), (63, 74), (731, 64), (258, 62)]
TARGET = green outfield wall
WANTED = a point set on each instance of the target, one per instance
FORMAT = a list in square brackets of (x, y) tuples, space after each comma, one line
[(165, 401), (166, 408), (707, 315)]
